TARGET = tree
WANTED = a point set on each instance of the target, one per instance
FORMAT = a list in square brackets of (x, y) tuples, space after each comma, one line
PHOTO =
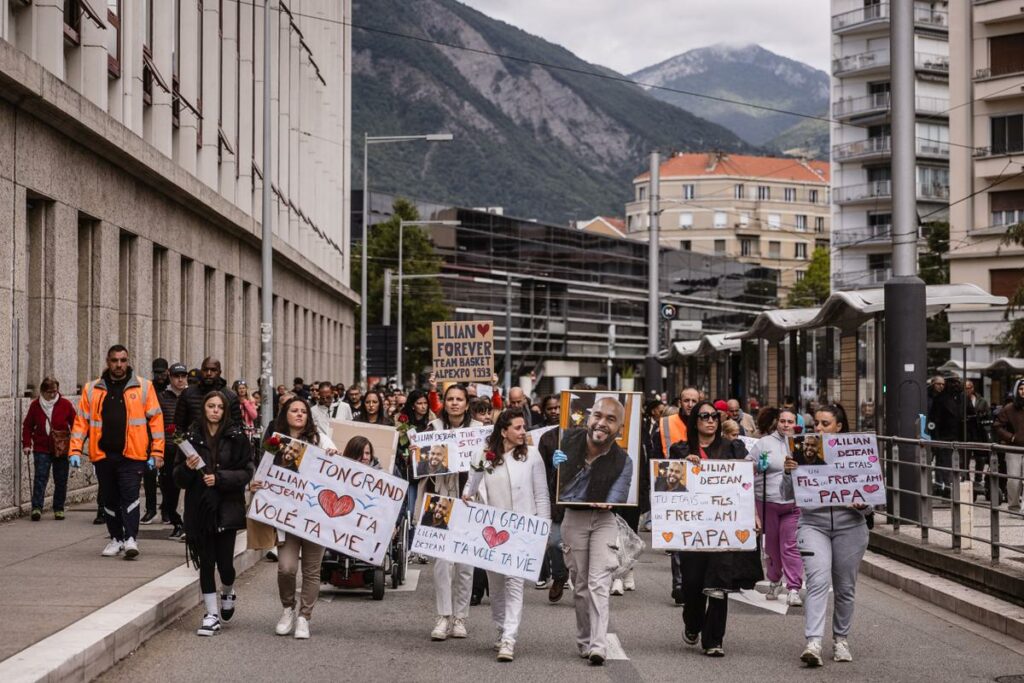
[(423, 299), (814, 289), (1013, 337)]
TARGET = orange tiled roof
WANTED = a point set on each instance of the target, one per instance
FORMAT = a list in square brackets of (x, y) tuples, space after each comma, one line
[(744, 166), (617, 223)]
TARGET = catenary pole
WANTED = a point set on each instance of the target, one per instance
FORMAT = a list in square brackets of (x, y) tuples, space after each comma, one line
[(652, 369), (267, 246)]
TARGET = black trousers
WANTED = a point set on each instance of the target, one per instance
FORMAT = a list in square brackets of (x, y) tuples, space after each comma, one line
[(701, 614), (120, 478), (216, 551), (170, 492), (149, 486), (677, 572)]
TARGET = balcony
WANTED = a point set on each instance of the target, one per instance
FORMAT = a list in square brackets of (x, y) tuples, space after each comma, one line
[(862, 279), (932, 149), (996, 11), (996, 162), (863, 150), (868, 236), (863, 63), (1005, 83), (931, 63), (879, 104), (868, 192), (876, 17), (932, 192)]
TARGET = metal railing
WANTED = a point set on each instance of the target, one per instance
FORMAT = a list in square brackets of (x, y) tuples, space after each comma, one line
[(924, 15), (880, 146), (877, 189), (881, 102), (863, 60), (871, 234), (945, 517)]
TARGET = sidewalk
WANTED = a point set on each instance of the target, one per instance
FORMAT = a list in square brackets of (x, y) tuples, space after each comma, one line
[(54, 581)]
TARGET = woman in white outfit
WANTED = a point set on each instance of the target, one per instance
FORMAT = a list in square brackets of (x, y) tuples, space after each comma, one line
[(453, 582), (511, 476)]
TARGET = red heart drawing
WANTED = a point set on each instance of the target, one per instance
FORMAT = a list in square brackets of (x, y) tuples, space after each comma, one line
[(871, 488), (335, 505), (872, 458), (746, 486), (494, 537), (482, 328)]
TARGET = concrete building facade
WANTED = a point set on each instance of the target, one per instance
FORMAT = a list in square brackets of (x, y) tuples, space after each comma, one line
[(861, 133), (986, 49), (131, 173), (769, 211)]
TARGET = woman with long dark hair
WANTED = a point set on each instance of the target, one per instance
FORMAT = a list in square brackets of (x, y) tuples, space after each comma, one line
[(709, 577), (453, 581), (832, 541), (214, 480), (360, 449), (512, 476), (374, 410)]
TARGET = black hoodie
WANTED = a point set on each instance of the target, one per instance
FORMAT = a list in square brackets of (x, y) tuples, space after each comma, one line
[(190, 403)]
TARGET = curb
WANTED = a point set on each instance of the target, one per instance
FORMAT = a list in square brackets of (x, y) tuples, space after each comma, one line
[(981, 608), (94, 643)]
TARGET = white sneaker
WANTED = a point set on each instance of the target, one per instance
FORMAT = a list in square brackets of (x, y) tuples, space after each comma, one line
[(542, 585), (506, 651), (210, 626), (286, 623), (441, 629), (841, 650), (794, 600), (629, 582), (131, 549), (812, 653), (568, 585), (617, 588), (459, 628), (302, 628), (773, 591), (113, 549)]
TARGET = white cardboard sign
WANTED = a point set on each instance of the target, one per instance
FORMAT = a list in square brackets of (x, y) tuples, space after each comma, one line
[(446, 451), (838, 470)]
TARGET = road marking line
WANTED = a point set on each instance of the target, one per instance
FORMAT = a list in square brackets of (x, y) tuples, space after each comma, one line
[(615, 650), (756, 599), (412, 580)]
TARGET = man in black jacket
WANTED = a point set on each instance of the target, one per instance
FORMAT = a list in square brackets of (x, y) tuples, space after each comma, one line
[(169, 396), (946, 422), (190, 403)]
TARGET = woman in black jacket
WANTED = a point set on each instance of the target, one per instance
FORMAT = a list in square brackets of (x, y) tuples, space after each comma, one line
[(709, 576), (214, 479)]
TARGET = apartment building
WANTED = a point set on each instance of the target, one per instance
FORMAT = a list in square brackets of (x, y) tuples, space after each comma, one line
[(986, 49), (131, 179), (770, 211), (861, 133)]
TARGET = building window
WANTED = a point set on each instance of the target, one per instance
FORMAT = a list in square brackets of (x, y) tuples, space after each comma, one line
[(774, 221), (72, 22), (721, 219), (812, 196), (1006, 54), (1007, 207), (775, 249), (114, 38), (689, 191), (1005, 281), (685, 245), (629, 223), (819, 224), (801, 223), (747, 247), (789, 194), (744, 218), (1007, 134), (801, 250), (764, 193), (686, 220), (800, 275), (719, 246), (641, 193), (738, 191)]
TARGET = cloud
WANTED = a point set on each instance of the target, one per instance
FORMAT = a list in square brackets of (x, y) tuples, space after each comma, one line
[(629, 36)]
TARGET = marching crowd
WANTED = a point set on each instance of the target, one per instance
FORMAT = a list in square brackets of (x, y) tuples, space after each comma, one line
[(185, 431)]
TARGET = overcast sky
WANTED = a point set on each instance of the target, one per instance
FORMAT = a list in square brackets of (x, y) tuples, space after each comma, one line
[(627, 36)]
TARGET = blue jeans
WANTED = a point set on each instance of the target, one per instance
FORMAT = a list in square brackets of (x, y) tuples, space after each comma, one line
[(559, 572), (44, 462)]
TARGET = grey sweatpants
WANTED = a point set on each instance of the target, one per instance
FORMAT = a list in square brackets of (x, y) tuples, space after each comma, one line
[(831, 558)]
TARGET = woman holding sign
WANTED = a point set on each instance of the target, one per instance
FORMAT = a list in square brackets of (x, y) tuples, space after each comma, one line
[(453, 582), (709, 576), (213, 473), (832, 542), (513, 477)]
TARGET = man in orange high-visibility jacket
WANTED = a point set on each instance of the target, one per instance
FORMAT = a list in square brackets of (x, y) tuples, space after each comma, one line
[(671, 430), (120, 425)]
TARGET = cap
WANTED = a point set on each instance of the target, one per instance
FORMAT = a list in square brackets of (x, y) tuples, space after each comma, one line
[(178, 369), (159, 365), (721, 405)]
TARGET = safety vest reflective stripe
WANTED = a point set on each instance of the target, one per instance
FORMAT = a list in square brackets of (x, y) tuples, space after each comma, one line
[(77, 435), (158, 435), (95, 423), (153, 411), (137, 422), (145, 391)]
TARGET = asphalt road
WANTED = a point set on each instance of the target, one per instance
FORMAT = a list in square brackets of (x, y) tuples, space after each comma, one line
[(896, 638)]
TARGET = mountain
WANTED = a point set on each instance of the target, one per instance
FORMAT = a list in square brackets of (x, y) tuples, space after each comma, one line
[(809, 137), (747, 74), (542, 142)]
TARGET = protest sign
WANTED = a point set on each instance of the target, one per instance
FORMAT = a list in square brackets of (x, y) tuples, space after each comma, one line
[(836, 470), (501, 541), (333, 501), (383, 439), (484, 390), (445, 451), (463, 350), (748, 442), (704, 507), (611, 419), (533, 436)]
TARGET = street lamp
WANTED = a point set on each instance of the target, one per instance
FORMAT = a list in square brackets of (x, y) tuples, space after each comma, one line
[(401, 232), (367, 141)]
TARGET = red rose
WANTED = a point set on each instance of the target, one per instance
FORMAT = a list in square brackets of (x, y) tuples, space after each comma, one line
[(403, 417), (168, 430), (490, 456), (274, 441)]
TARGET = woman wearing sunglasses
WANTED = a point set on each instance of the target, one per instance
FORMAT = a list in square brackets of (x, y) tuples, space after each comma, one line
[(709, 576), (832, 541)]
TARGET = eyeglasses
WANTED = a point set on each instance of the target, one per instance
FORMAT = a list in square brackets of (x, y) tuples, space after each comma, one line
[(707, 416)]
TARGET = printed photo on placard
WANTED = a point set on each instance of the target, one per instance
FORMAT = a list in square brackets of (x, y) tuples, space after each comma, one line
[(806, 449), (669, 476), (432, 460), (437, 511), (605, 424)]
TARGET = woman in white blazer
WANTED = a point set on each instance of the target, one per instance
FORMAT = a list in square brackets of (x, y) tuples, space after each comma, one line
[(511, 476)]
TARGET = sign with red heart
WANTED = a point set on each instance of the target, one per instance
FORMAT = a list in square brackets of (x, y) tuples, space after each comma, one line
[(463, 351), (493, 537), (335, 505)]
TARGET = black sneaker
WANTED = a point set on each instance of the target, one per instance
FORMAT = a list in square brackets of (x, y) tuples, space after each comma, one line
[(176, 533), (164, 519), (596, 659), (227, 606), (100, 519), (210, 626), (37, 514), (690, 638), (148, 517)]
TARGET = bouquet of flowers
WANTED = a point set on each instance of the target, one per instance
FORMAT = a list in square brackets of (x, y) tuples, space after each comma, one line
[(487, 463)]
